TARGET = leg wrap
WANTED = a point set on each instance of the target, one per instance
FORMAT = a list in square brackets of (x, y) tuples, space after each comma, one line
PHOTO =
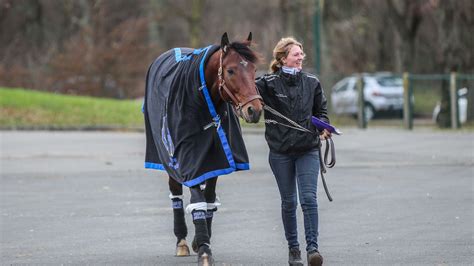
[(202, 236), (211, 208), (209, 216), (198, 206), (180, 228), (213, 205)]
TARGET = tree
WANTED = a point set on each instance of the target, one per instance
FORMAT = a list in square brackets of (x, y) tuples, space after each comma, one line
[(455, 51), (103, 48)]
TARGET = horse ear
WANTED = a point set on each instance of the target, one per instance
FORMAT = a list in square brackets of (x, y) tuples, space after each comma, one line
[(224, 42), (248, 41)]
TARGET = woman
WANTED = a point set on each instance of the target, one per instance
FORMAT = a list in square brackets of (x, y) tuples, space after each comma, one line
[(294, 156)]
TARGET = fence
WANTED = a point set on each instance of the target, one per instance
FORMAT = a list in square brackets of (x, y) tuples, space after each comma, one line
[(428, 87)]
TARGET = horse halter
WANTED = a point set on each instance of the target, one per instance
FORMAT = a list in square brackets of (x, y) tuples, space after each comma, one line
[(233, 100)]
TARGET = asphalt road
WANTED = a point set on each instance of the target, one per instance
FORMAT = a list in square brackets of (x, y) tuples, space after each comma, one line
[(400, 198)]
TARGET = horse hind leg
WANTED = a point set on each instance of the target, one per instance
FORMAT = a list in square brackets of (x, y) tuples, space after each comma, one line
[(179, 227)]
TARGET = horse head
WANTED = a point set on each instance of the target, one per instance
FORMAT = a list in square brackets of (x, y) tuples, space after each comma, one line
[(236, 77)]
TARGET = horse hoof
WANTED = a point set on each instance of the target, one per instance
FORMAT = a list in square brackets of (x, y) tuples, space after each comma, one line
[(182, 249), (194, 245), (205, 260)]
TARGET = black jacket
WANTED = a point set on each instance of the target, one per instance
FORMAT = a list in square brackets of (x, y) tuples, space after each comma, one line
[(297, 97)]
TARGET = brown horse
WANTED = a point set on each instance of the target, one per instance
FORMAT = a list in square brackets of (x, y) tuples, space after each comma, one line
[(180, 125)]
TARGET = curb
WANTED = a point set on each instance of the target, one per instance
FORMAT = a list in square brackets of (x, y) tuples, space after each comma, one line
[(72, 128), (245, 130)]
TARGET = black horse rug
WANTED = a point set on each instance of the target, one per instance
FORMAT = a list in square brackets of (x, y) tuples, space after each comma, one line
[(185, 134)]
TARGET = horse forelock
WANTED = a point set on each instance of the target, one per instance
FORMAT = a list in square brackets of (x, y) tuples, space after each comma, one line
[(243, 50)]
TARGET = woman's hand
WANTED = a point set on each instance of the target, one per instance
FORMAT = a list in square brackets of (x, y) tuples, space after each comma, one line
[(325, 134)]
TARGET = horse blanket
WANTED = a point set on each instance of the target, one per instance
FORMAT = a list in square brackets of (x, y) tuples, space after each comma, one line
[(185, 134)]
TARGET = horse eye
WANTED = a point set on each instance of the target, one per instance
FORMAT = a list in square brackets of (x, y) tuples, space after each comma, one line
[(230, 71)]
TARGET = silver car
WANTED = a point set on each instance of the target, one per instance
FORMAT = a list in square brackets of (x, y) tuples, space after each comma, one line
[(382, 92)]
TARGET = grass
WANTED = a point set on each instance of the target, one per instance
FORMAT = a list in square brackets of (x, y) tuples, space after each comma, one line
[(20, 108), (26, 108), (425, 100)]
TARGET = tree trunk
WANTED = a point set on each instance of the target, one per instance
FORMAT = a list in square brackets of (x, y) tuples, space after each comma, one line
[(444, 119), (155, 30), (195, 22), (447, 45), (406, 19), (470, 104)]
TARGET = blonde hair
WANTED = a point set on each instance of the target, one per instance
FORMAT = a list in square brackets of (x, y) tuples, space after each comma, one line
[(281, 50)]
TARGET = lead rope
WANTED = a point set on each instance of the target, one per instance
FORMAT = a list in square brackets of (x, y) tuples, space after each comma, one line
[(323, 163), (322, 160), (293, 123)]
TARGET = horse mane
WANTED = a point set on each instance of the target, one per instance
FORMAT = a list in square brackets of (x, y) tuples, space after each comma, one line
[(245, 51)]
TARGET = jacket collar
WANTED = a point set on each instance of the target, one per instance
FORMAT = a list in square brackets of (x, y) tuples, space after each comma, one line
[(289, 79)]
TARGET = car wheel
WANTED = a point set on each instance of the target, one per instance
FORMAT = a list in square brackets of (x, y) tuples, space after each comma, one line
[(369, 112)]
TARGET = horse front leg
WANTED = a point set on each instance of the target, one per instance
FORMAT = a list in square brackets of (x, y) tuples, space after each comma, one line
[(198, 209), (212, 202), (179, 226)]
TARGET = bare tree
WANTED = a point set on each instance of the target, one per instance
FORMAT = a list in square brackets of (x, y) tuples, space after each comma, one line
[(103, 48), (455, 52)]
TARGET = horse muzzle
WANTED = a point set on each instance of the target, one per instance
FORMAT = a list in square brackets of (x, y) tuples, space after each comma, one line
[(252, 114), (252, 109)]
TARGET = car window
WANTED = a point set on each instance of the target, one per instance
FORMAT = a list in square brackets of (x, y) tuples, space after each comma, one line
[(389, 81), (342, 87), (353, 84)]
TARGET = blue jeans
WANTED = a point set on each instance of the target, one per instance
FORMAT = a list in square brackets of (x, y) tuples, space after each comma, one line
[(302, 170)]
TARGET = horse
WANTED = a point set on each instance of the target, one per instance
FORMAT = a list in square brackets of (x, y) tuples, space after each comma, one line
[(192, 103)]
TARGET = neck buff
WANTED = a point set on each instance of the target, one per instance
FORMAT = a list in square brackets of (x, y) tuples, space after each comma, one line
[(290, 70)]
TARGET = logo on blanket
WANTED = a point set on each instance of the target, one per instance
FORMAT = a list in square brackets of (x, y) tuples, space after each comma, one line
[(168, 143), (173, 163)]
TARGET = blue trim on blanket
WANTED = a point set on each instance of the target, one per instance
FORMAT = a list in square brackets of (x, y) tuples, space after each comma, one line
[(154, 166), (177, 54), (210, 105), (215, 116), (179, 57), (204, 177), (242, 166)]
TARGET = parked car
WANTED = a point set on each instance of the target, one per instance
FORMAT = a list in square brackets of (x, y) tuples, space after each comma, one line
[(383, 92), (462, 105)]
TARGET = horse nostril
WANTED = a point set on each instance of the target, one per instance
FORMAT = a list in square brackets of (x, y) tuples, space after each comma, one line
[(250, 111)]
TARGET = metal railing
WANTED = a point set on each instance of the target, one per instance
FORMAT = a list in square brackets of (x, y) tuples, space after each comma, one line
[(453, 79), (408, 96)]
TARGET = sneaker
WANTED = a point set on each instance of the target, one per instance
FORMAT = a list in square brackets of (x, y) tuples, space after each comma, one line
[(314, 258), (294, 257)]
